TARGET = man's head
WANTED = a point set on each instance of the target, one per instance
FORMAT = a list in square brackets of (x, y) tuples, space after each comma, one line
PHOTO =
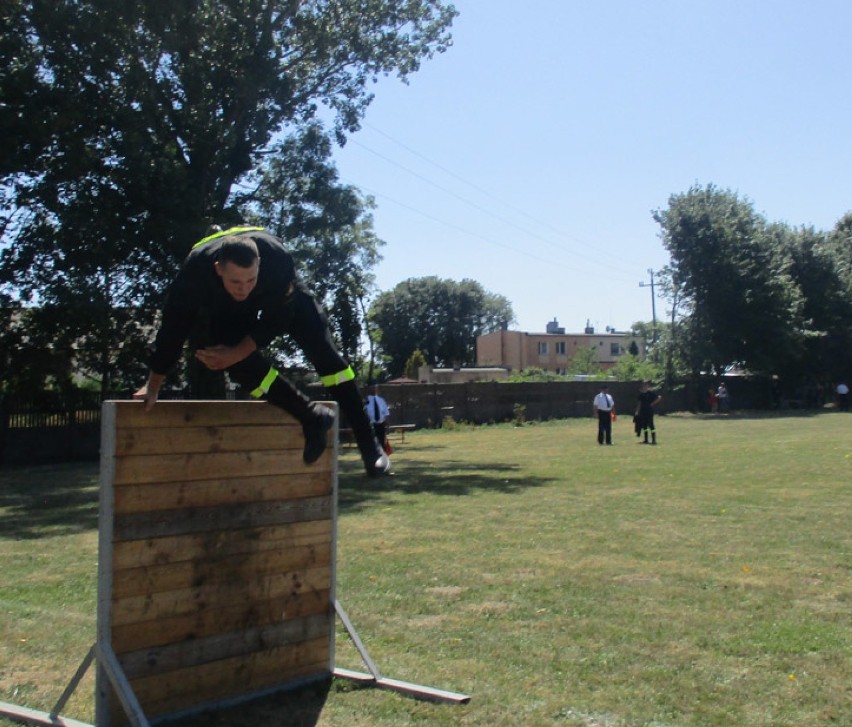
[(645, 385), (237, 264)]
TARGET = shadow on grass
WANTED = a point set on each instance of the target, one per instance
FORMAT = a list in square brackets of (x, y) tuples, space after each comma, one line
[(48, 501), (453, 478)]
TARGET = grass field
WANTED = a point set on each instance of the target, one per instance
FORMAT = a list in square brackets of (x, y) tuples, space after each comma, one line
[(705, 581)]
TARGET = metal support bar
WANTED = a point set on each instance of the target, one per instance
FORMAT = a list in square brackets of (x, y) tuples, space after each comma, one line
[(32, 716), (353, 634), (72, 685), (375, 679), (109, 663)]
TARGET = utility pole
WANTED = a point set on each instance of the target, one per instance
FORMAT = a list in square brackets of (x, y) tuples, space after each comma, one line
[(643, 284)]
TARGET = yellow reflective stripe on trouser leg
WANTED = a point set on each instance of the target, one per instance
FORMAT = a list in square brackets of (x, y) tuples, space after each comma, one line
[(339, 378), (271, 375)]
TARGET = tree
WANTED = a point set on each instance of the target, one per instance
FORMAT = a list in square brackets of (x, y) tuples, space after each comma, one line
[(818, 271), (440, 318), (732, 278), (412, 366), (132, 126), (328, 227), (584, 362)]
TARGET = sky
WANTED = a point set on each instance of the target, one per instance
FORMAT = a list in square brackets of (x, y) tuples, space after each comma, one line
[(531, 155)]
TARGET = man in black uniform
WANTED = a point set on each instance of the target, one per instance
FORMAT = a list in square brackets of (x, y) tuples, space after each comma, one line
[(645, 412), (236, 291)]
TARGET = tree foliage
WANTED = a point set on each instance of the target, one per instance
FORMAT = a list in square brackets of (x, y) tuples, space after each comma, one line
[(732, 280), (131, 126), (745, 291), (440, 318)]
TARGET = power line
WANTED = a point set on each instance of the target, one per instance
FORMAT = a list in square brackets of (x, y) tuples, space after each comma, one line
[(486, 193)]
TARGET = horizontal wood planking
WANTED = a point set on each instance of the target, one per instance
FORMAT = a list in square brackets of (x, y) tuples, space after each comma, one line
[(171, 657), (233, 438), (217, 569), (207, 493), (191, 600), (226, 677), (196, 546), (164, 523), (200, 414), (186, 467), (222, 552), (221, 619), (171, 692)]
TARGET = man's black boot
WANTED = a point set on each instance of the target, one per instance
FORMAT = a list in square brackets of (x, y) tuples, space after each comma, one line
[(318, 421), (315, 418)]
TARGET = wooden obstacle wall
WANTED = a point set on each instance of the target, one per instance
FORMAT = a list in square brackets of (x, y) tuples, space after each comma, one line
[(217, 552)]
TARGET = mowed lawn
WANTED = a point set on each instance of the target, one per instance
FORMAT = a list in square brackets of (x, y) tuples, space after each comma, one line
[(705, 581)]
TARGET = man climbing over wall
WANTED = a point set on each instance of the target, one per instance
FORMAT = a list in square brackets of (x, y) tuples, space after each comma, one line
[(235, 292)]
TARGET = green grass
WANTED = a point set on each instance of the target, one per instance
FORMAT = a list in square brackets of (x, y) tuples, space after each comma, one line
[(705, 581)]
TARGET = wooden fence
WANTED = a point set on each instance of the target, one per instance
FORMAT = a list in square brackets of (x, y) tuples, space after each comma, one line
[(55, 429)]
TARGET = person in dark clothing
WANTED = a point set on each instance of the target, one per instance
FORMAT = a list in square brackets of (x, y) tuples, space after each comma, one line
[(235, 292), (645, 412)]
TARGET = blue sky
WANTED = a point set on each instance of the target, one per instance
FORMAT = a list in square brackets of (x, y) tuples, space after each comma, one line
[(530, 155)]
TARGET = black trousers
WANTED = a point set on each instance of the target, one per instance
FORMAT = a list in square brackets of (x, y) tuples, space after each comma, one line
[(302, 318), (604, 427)]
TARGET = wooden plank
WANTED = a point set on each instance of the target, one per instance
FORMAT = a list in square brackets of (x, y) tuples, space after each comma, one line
[(171, 657), (215, 697), (206, 493), (196, 546), (236, 438), (162, 693), (164, 523), (191, 600), (218, 619), (139, 469), (199, 414), (217, 569)]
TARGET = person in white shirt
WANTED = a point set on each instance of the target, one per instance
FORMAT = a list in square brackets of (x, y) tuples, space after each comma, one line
[(378, 412), (842, 391), (604, 406)]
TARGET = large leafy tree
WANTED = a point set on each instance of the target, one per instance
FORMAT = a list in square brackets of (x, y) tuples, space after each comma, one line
[(819, 265), (130, 126), (440, 318), (731, 276)]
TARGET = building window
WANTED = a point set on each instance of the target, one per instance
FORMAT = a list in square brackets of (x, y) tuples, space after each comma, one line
[(614, 349), (560, 348), (542, 348)]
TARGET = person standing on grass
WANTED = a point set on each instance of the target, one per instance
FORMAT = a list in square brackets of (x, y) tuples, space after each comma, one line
[(842, 392), (236, 291), (648, 399), (378, 412), (604, 406), (722, 398)]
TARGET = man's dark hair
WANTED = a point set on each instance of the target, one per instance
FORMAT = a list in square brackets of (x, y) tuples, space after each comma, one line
[(241, 251)]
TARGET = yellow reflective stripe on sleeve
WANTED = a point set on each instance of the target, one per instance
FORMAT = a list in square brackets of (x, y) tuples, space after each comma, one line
[(271, 375), (339, 378), (229, 231)]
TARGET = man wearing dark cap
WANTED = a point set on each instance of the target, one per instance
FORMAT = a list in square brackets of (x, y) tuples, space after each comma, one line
[(604, 406)]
